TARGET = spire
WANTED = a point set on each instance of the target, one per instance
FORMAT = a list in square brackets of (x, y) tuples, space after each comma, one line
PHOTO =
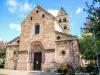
[(62, 12)]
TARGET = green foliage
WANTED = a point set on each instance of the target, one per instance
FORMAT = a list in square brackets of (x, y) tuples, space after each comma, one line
[(91, 68), (66, 69), (87, 48), (2, 56), (2, 65), (93, 19), (3, 53), (91, 26)]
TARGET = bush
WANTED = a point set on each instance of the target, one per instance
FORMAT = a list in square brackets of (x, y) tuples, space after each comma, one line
[(92, 69), (66, 69), (1, 65)]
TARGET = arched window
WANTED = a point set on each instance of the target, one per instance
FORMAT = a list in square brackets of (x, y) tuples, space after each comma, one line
[(42, 15), (37, 29), (31, 18), (64, 20), (65, 27), (37, 11), (60, 20)]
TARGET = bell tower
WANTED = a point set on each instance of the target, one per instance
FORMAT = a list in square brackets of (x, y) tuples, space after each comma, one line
[(63, 20)]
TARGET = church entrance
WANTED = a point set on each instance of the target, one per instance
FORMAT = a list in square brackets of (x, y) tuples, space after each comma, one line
[(38, 56), (37, 60)]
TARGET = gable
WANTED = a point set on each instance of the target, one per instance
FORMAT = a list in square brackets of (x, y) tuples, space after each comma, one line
[(46, 12), (15, 41), (40, 9)]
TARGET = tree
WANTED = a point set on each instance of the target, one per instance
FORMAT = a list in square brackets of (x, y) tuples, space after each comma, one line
[(93, 19), (2, 57), (3, 53), (92, 24), (86, 48)]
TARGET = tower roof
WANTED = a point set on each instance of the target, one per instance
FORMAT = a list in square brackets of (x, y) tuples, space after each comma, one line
[(62, 12)]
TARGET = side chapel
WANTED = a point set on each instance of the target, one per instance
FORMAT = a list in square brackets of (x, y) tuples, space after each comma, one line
[(44, 44)]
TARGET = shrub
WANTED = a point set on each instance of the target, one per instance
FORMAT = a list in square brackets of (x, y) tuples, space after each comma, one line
[(66, 69), (92, 69), (1, 65)]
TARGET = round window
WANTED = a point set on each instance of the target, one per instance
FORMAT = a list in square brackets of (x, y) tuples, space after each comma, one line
[(63, 52)]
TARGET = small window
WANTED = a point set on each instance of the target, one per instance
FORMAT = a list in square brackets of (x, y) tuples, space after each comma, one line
[(31, 18), (60, 21), (58, 37), (18, 41), (64, 20), (37, 29), (63, 52), (37, 11), (43, 16), (65, 27), (15, 52)]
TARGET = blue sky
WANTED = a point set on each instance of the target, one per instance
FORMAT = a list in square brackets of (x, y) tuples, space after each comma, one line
[(13, 12)]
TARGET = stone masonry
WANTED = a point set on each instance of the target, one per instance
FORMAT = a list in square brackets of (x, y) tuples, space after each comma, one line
[(41, 46)]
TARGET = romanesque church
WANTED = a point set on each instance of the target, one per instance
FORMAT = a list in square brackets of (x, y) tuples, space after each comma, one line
[(44, 44)]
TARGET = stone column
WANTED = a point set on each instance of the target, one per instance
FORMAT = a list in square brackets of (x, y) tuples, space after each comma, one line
[(29, 60), (43, 57), (32, 59)]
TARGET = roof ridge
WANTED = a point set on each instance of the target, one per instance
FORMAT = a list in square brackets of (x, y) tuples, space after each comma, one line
[(45, 11), (13, 39)]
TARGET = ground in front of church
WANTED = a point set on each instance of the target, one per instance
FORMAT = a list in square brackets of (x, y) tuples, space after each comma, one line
[(19, 72)]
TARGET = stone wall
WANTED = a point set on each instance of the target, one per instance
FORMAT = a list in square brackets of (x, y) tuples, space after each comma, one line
[(60, 47), (22, 61), (47, 37), (47, 30), (76, 53), (71, 52), (49, 61), (62, 36), (9, 61)]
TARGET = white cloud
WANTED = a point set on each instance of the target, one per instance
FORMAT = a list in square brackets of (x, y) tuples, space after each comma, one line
[(25, 7), (16, 27), (53, 12), (0, 39), (12, 5), (79, 10), (19, 7)]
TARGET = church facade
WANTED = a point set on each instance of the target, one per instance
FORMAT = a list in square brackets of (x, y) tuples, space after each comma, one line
[(44, 44)]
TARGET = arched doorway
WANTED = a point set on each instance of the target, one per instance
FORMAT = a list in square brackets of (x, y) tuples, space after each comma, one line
[(37, 51)]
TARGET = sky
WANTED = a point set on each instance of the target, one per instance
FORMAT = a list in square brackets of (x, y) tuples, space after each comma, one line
[(13, 12)]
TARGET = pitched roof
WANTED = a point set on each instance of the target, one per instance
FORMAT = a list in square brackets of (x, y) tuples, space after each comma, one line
[(62, 12), (46, 12), (41, 9), (13, 40)]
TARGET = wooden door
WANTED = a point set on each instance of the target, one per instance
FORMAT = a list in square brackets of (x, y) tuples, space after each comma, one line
[(37, 60)]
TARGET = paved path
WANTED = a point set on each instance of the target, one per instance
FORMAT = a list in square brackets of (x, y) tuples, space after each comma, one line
[(19, 72)]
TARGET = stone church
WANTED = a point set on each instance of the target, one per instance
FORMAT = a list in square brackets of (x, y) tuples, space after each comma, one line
[(44, 44)]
